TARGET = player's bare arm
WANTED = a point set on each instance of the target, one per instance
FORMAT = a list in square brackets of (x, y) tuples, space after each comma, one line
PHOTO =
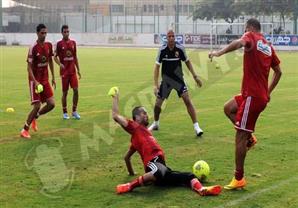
[(115, 111), (77, 63), (56, 59), (31, 75), (236, 44), (156, 75), (194, 75), (275, 79), (51, 65), (127, 160)]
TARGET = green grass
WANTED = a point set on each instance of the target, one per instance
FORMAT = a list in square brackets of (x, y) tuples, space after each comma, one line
[(93, 148)]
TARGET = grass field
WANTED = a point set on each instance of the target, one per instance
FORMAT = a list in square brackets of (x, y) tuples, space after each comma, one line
[(79, 163)]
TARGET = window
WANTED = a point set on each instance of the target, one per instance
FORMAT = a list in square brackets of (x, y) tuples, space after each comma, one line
[(145, 8), (185, 8), (161, 7), (150, 8), (156, 8), (117, 8)]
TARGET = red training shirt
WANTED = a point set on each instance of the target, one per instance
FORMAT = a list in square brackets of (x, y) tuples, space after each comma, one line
[(143, 142), (66, 50), (259, 57), (38, 56)]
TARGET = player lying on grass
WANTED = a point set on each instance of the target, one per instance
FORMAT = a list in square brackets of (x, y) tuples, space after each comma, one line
[(152, 156)]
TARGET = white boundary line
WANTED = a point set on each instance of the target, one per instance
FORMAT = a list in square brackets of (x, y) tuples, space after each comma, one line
[(257, 193)]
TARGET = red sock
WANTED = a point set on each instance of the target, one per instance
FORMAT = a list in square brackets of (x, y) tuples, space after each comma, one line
[(64, 109), (195, 184), (239, 174), (74, 108), (137, 182)]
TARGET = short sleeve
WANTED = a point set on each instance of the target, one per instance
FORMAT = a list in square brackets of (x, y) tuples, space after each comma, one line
[(275, 59), (247, 39), (159, 56), (131, 126), (183, 54)]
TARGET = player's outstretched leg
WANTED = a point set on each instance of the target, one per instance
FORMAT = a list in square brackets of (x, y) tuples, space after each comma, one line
[(140, 181), (205, 190), (31, 117)]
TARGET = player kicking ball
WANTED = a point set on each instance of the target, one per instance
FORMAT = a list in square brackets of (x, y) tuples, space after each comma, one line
[(243, 110), (39, 58), (152, 155)]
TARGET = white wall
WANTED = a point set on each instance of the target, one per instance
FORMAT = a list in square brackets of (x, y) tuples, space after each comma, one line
[(103, 39)]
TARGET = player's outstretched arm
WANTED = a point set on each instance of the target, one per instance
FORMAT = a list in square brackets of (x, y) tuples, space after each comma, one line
[(275, 79), (115, 111), (127, 160), (194, 75), (234, 45)]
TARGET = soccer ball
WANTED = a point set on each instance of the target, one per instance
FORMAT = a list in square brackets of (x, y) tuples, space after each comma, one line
[(201, 170)]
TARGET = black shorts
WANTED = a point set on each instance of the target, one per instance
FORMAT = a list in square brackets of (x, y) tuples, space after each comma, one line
[(167, 177), (167, 85), (158, 168)]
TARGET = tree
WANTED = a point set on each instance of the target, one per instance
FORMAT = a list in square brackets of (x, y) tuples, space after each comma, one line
[(218, 9)]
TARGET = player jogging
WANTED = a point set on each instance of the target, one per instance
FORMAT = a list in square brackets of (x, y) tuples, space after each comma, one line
[(152, 156), (66, 58), (244, 109), (170, 56), (39, 57)]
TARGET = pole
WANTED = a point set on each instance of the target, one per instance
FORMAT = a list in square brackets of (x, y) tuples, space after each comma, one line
[(295, 17), (177, 17), (1, 26)]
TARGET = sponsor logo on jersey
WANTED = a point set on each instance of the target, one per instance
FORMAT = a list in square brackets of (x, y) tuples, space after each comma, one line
[(177, 54), (264, 48)]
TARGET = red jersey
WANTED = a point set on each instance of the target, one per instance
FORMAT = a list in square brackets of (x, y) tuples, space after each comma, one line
[(66, 50), (39, 56), (143, 142), (259, 57)]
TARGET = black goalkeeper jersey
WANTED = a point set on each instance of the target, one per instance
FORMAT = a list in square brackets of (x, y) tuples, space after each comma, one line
[(171, 61)]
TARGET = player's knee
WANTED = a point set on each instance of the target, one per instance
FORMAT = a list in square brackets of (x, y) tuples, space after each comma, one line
[(51, 105), (227, 110), (37, 105)]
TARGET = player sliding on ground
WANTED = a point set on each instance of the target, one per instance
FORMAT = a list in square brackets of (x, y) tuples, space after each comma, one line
[(152, 156), (244, 109)]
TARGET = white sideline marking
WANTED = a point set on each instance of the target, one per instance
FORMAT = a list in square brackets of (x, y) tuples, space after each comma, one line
[(257, 193)]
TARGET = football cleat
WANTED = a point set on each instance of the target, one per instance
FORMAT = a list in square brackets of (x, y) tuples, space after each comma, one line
[(153, 127), (235, 184), (25, 134), (199, 132), (252, 141), (65, 116), (34, 125), (210, 190), (123, 188), (76, 115)]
